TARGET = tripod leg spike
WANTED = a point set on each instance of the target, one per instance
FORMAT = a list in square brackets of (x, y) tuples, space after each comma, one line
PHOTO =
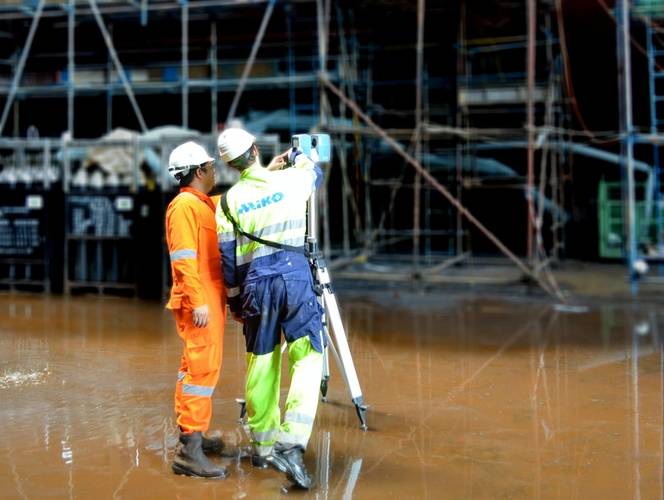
[(323, 387), (361, 410), (325, 378)]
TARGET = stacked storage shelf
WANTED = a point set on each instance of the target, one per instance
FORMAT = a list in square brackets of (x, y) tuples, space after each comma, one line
[(100, 251), (111, 215), (87, 215), (23, 247), (30, 215)]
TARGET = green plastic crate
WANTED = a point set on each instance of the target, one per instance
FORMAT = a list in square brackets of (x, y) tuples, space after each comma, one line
[(611, 225), (653, 8)]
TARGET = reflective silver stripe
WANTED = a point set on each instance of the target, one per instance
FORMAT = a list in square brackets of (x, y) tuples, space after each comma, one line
[(289, 225), (280, 227), (264, 250), (272, 229), (232, 292), (181, 376), (263, 451), (226, 236), (298, 418), (197, 390), (292, 439), (185, 253), (265, 436)]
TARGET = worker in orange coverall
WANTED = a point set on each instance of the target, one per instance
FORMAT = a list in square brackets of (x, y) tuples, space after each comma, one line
[(198, 303)]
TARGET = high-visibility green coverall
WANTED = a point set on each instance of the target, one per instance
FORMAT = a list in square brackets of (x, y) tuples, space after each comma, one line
[(271, 290)]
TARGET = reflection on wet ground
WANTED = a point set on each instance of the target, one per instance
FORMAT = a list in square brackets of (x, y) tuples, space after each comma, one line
[(469, 398)]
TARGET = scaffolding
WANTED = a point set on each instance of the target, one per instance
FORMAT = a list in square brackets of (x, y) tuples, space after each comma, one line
[(640, 243), (443, 154), (404, 184), (199, 69), (447, 164), (113, 190)]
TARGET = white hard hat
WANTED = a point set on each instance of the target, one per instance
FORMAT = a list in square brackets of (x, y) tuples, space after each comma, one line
[(185, 157), (234, 142)]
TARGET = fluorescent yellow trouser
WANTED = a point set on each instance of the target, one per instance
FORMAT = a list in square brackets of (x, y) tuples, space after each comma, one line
[(262, 394)]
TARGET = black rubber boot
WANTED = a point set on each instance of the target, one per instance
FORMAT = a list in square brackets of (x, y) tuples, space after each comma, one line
[(212, 445), (190, 460), (259, 461), (290, 462)]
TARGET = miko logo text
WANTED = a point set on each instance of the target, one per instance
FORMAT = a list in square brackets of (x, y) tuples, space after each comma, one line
[(262, 203)]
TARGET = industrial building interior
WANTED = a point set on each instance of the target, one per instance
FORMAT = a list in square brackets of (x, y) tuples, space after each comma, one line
[(492, 218)]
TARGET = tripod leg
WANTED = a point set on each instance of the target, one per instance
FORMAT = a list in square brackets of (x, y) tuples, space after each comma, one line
[(323, 466), (243, 409), (326, 370), (323, 286), (343, 355), (324, 382)]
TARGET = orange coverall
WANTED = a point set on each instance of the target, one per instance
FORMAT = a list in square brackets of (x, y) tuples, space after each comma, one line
[(196, 270)]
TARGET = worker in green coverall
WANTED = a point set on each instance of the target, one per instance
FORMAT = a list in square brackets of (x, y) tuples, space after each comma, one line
[(261, 223)]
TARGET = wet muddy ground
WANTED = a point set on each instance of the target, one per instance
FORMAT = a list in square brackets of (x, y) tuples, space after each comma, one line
[(469, 398)]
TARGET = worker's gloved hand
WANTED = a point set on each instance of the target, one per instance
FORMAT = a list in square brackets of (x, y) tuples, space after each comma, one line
[(201, 316), (313, 155), (293, 153)]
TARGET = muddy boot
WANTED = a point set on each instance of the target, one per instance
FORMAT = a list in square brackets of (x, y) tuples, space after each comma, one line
[(212, 445), (189, 459), (290, 462)]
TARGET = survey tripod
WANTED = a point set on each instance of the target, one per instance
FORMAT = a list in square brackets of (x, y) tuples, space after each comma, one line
[(337, 342), (317, 148)]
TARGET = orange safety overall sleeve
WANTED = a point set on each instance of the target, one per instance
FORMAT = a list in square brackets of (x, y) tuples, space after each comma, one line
[(194, 254), (182, 237)]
